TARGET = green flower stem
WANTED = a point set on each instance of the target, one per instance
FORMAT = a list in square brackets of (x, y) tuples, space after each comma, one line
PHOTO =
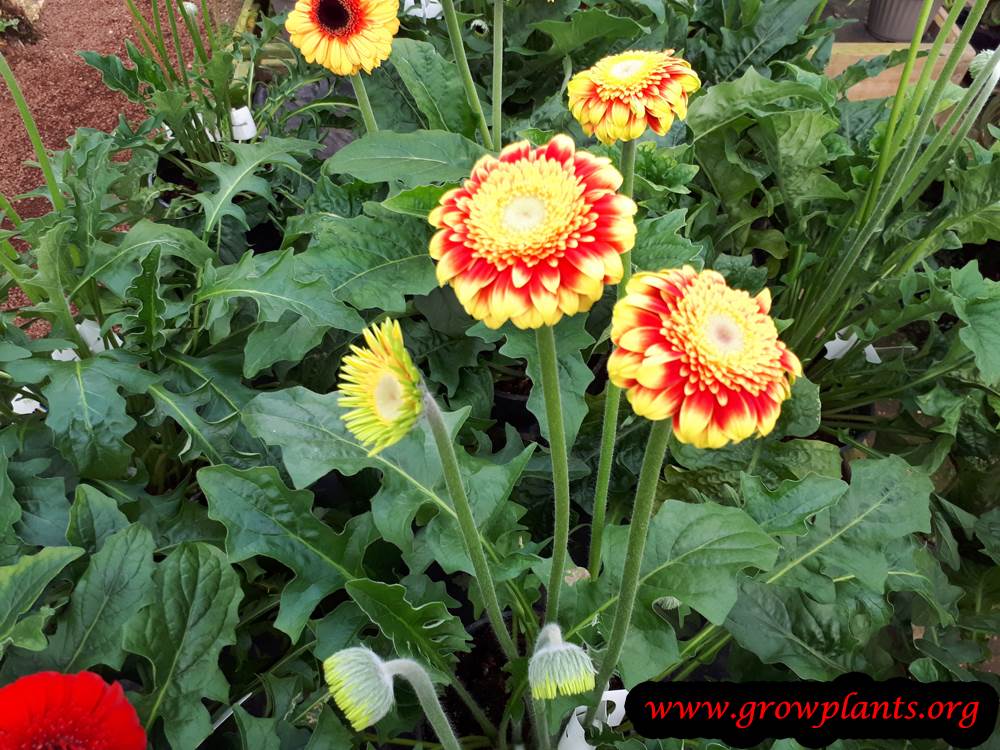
[(888, 151), (416, 675), (364, 103), (546, 341), (612, 398), (458, 49), (649, 475), (8, 210), (55, 197), (467, 523), (497, 100)]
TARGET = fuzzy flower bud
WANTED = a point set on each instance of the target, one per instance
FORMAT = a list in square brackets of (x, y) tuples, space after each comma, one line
[(978, 65), (360, 684), (557, 667)]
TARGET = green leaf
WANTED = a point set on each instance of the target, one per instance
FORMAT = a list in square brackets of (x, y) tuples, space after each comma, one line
[(800, 415), (115, 75), (584, 26), (21, 584), (93, 517), (693, 553), (370, 261), (977, 304), (412, 159), (434, 85), (764, 31), (145, 322), (818, 641), (428, 632), (263, 517), (888, 499), (280, 286), (116, 585), (314, 441), (787, 508), (418, 201), (724, 103), (86, 410), (660, 244), (793, 145), (242, 177), (193, 614), (10, 514), (256, 733), (115, 266), (574, 375)]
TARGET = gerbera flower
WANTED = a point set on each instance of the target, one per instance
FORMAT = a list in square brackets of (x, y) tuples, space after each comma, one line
[(534, 234), (52, 710), (344, 35), (622, 94), (381, 387), (557, 667), (688, 346), (360, 685)]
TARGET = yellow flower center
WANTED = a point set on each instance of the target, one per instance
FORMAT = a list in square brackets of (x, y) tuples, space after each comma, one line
[(388, 397), (725, 337), (527, 211), (724, 334), (524, 213), (624, 70)]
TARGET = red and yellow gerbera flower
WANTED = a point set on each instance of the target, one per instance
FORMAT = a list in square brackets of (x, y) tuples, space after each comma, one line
[(534, 234), (344, 36), (687, 346), (52, 710), (623, 94)]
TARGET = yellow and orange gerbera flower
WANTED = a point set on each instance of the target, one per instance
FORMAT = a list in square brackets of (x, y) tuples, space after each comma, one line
[(534, 234), (381, 387), (688, 346), (344, 36), (623, 94)]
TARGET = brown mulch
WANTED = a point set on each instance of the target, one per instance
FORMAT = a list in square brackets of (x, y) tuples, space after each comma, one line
[(63, 92)]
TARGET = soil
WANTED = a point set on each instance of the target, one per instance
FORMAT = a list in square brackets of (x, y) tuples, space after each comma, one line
[(64, 93)]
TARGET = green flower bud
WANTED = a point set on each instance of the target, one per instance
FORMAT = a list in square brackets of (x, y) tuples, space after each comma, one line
[(557, 667), (360, 684), (978, 65)]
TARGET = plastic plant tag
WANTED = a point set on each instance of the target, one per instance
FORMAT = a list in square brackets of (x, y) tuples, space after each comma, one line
[(425, 9), (838, 347), (574, 738), (244, 128)]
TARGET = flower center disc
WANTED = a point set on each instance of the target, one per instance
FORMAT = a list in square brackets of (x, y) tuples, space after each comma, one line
[(626, 69), (388, 397), (724, 334), (335, 15), (524, 213)]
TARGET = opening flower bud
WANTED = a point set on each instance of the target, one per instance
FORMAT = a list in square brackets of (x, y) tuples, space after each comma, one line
[(557, 667), (360, 684)]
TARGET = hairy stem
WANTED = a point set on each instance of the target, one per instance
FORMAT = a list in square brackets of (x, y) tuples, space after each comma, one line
[(546, 341), (458, 49), (416, 675), (649, 475), (497, 98), (467, 524), (364, 103), (612, 398)]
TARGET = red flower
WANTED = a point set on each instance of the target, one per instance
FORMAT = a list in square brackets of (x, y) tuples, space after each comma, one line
[(56, 711)]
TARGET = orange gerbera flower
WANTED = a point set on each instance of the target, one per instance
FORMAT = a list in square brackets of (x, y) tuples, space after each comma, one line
[(534, 234), (622, 94), (688, 346), (344, 36)]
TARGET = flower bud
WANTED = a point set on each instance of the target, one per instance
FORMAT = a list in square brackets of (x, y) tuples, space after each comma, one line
[(557, 667), (360, 684), (978, 65)]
